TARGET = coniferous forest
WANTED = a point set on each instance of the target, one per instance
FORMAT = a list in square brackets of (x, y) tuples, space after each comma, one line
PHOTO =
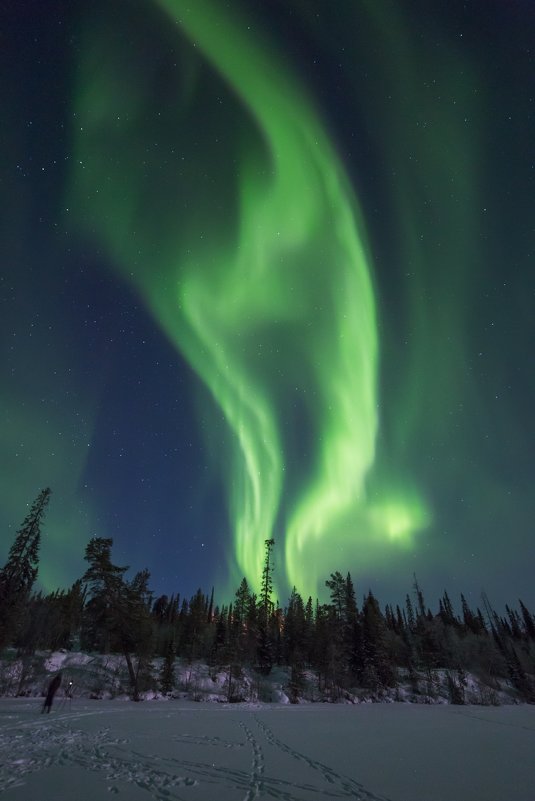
[(344, 643)]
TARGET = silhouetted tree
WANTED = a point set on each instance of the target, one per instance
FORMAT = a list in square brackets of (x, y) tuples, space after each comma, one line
[(20, 571), (378, 670), (529, 622), (103, 615), (117, 616), (264, 652), (167, 673)]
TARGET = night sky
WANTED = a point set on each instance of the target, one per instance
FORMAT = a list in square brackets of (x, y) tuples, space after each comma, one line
[(267, 271)]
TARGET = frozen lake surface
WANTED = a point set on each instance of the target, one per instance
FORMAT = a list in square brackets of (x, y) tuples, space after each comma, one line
[(169, 750)]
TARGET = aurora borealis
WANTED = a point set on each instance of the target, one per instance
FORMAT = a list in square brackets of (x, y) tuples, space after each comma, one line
[(268, 274)]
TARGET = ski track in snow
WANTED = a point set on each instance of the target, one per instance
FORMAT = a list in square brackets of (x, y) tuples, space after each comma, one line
[(494, 722), (343, 787), (37, 745), (45, 745)]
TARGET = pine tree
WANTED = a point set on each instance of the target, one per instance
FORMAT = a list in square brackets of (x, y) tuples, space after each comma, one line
[(241, 604), (308, 631), (344, 645), (456, 686), (219, 650), (529, 622), (519, 677), (297, 681), (52, 621), (106, 590), (117, 616), (337, 586), (265, 602), (321, 648), (20, 571), (420, 603), (352, 633), (335, 664), (472, 622), (239, 628), (410, 612), (167, 674), (446, 610), (195, 625), (210, 611), (264, 651), (378, 671), (160, 609), (293, 634)]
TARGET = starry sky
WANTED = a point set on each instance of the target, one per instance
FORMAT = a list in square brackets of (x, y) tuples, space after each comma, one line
[(267, 271)]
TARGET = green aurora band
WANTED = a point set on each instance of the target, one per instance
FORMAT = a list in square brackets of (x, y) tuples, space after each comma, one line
[(266, 290)]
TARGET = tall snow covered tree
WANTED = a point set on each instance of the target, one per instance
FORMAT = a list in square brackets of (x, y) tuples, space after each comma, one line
[(18, 575)]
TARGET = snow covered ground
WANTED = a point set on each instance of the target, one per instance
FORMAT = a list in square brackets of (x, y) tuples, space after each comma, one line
[(183, 750)]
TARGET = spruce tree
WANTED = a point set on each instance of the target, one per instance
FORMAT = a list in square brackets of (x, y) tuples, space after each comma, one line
[(266, 603), (264, 650), (294, 629), (352, 633), (309, 631), (297, 681), (167, 674), (529, 622), (420, 603), (338, 630), (218, 652), (18, 575), (241, 604), (410, 612), (238, 634), (446, 608), (136, 633), (378, 671)]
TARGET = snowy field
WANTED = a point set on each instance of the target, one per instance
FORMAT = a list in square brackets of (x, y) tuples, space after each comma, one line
[(169, 750)]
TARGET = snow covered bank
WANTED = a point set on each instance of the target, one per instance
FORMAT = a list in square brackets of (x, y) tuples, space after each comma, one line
[(101, 677)]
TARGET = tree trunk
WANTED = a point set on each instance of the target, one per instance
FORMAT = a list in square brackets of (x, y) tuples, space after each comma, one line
[(133, 676)]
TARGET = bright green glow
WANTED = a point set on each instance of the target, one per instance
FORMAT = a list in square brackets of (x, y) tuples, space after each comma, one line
[(275, 316), (399, 519)]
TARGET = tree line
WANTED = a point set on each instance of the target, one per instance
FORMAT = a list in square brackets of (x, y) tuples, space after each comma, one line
[(344, 643)]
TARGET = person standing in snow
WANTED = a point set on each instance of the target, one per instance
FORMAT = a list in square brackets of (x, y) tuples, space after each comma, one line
[(52, 689)]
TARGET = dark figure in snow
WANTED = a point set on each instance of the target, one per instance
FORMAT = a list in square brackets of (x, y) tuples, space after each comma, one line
[(52, 689)]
